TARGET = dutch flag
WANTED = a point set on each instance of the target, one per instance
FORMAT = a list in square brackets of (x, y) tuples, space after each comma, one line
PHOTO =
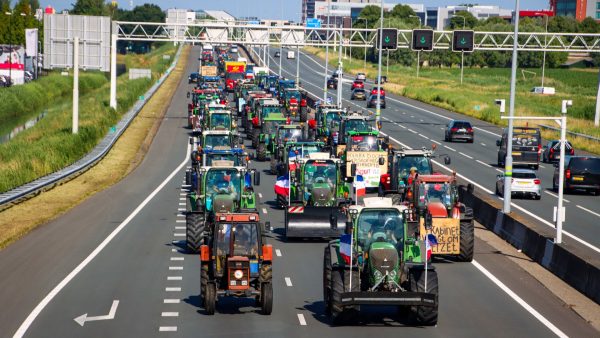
[(430, 241), (282, 185), (360, 186), (346, 247)]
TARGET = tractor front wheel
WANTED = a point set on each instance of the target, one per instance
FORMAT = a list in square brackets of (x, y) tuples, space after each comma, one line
[(340, 283), (266, 298), (273, 166), (261, 152), (210, 298), (327, 280), (424, 315), (194, 229)]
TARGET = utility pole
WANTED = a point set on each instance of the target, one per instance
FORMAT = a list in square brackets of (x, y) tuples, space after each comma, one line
[(462, 53), (326, 56), (378, 107), (75, 85), (340, 83)]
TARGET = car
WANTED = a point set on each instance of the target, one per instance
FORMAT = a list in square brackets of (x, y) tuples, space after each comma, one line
[(581, 172), (233, 49), (361, 77), (357, 84), (332, 82), (359, 94), (193, 77), (459, 130), (291, 54), (551, 151), (375, 89), (372, 102), (524, 182), (277, 54)]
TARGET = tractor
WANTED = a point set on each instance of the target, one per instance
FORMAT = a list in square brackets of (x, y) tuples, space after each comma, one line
[(236, 261), (261, 108), (209, 157), (293, 102), (219, 139), (268, 131), (327, 119), (368, 151), (220, 119), (318, 191), (220, 188), (381, 260), (284, 134)]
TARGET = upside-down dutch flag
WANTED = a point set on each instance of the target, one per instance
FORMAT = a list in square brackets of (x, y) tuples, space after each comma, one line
[(282, 185), (292, 156), (430, 241), (360, 186), (346, 247)]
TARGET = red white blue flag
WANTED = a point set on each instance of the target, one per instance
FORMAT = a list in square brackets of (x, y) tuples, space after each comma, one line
[(430, 241), (346, 247), (360, 186), (282, 185)]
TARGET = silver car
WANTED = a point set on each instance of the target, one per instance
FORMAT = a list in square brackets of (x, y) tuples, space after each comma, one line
[(525, 183)]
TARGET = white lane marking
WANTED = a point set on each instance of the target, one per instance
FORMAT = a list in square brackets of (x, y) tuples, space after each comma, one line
[(442, 128), (556, 196), (182, 204), (519, 300), (180, 215), (174, 250), (180, 221), (180, 228), (403, 127), (185, 185), (167, 329), (264, 210), (178, 234), (499, 170), (173, 289), (288, 281), (171, 301), (420, 120), (175, 268), (176, 258), (183, 182), (412, 116), (588, 210), (301, 319), (483, 144), (169, 314), (423, 136), (483, 163), (259, 195), (44, 302), (436, 142), (182, 194), (449, 148), (278, 252), (465, 155), (180, 209), (182, 198), (412, 131), (174, 278), (404, 113)]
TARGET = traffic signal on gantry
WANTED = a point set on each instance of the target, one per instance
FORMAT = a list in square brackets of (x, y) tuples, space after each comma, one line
[(390, 38), (422, 39), (463, 41)]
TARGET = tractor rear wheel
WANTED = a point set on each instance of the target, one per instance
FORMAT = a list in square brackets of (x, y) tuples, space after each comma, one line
[(255, 136), (327, 280), (249, 131), (303, 114), (340, 283), (266, 273), (194, 229), (210, 298), (266, 298), (188, 177), (273, 165), (467, 237), (261, 152), (424, 315)]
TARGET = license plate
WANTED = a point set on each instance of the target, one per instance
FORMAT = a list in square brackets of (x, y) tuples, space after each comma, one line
[(578, 178), (516, 154), (462, 130), (557, 157)]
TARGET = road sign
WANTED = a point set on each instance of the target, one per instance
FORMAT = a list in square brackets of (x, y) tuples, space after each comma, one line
[(390, 38), (313, 23), (462, 41), (422, 39)]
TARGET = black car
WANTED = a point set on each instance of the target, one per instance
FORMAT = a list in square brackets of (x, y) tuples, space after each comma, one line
[(359, 94), (372, 102), (581, 172), (551, 151), (193, 77), (332, 82), (277, 54), (459, 130)]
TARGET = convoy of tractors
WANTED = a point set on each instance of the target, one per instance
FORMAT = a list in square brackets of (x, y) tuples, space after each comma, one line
[(384, 211)]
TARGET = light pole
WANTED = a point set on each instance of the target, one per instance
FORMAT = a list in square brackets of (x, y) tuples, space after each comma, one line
[(378, 108), (326, 56), (366, 27), (281, 40), (340, 73), (508, 162), (418, 52), (462, 53), (544, 57)]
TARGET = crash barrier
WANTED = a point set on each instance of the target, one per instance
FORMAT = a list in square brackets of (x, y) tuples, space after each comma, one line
[(588, 137), (573, 263), (68, 173)]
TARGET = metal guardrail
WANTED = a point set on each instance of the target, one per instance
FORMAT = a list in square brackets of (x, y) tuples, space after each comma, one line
[(47, 182), (571, 133)]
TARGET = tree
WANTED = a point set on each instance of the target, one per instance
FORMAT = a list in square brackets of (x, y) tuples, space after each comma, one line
[(402, 12), (456, 22), (90, 7), (589, 25), (371, 13), (143, 13)]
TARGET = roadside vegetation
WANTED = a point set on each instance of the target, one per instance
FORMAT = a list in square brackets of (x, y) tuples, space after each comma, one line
[(50, 144)]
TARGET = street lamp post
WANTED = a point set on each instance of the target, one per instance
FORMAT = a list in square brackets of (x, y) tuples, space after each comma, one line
[(326, 57), (418, 52), (462, 53), (544, 55), (378, 107), (508, 162)]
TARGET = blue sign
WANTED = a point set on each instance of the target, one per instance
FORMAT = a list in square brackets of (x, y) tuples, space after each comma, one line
[(313, 23), (254, 22)]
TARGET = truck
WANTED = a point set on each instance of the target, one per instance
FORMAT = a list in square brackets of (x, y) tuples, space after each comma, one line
[(234, 71)]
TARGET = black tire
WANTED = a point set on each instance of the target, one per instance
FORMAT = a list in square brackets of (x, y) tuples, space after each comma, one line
[(497, 191), (194, 231), (203, 280), (255, 138), (266, 273), (303, 114), (340, 282), (273, 165), (188, 177), (467, 240), (249, 130), (535, 167), (261, 152), (281, 201), (327, 280), (424, 315), (210, 298), (266, 298)]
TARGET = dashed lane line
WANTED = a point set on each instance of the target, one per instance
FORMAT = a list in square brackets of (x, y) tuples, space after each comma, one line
[(167, 329), (483, 144), (264, 210), (173, 289), (436, 142), (177, 258), (180, 221), (423, 136), (278, 252), (180, 228), (176, 268), (449, 148), (259, 195), (171, 301), (169, 314), (465, 155), (588, 210), (174, 278), (179, 234), (301, 319), (288, 281), (555, 195), (483, 163)]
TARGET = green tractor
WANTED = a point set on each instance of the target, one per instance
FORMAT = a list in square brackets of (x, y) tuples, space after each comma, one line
[(287, 155), (318, 191), (326, 123), (219, 139), (380, 261), (221, 188), (261, 108), (266, 134), (284, 134), (220, 119)]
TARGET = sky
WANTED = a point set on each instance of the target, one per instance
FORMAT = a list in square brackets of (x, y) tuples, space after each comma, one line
[(291, 8)]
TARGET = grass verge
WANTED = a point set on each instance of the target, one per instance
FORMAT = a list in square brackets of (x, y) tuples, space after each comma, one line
[(481, 86), (50, 144), (126, 154)]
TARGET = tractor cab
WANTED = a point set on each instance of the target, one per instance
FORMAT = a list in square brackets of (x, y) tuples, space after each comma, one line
[(219, 139), (237, 156), (220, 120), (362, 141)]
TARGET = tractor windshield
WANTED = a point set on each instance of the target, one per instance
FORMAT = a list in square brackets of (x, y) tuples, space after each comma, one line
[(303, 150), (291, 93), (436, 192), (319, 182), (270, 126), (358, 125), (270, 110), (421, 163), (235, 158), (290, 134), (238, 239), (363, 143), (333, 119), (225, 181), (220, 121), (379, 225), (212, 141)]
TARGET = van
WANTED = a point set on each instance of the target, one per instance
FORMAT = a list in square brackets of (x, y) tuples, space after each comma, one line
[(526, 147), (291, 55)]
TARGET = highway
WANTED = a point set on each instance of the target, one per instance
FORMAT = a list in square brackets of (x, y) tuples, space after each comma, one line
[(415, 124), (125, 244)]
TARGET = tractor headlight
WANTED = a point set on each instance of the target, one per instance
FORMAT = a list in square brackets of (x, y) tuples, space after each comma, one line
[(238, 274)]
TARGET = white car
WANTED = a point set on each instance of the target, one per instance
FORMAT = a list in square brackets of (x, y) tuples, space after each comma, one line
[(525, 183), (361, 77), (233, 49)]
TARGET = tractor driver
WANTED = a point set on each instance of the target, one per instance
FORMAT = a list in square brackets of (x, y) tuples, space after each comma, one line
[(437, 193), (243, 245), (222, 184)]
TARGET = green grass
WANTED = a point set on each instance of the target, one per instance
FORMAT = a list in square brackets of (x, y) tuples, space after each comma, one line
[(50, 145), (481, 86)]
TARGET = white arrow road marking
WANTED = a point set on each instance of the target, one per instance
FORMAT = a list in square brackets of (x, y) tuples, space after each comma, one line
[(111, 315)]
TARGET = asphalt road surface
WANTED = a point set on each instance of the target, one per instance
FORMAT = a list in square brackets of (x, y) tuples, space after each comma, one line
[(125, 244)]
